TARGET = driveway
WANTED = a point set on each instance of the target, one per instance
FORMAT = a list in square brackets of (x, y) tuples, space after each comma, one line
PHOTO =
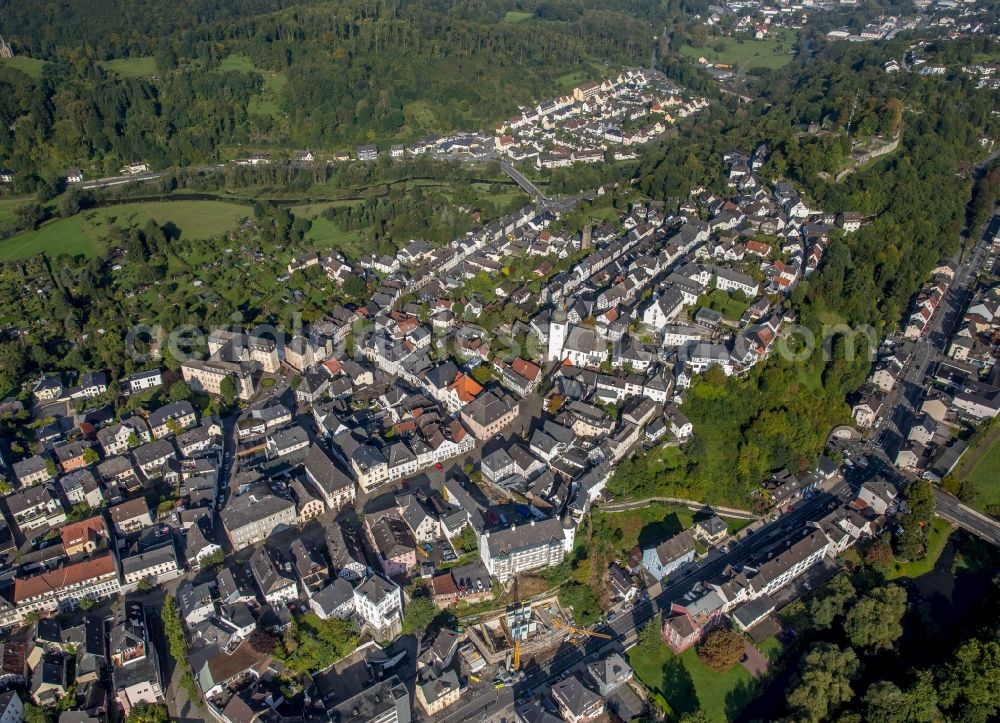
[(754, 661)]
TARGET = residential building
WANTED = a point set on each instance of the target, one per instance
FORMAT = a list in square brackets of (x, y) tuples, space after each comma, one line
[(275, 580), (489, 414), (182, 413), (437, 692), (576, 702), (334, 600), (83, 537), (63, 588), (11, 708), (35, 507), (346, 549), (131, 516), (379, 603), (610, 673), (336, 488), (141, 381), (668, 556), (135, 666), (250, 517), (518, 549)]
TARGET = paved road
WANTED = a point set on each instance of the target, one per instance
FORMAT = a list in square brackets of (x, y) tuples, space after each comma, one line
[(953, 510), (690, 504)]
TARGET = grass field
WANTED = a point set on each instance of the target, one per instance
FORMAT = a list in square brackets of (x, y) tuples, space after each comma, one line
[(688, 685), (28, 66), (984, 470), (516, 16), (772, 52), (239, 63), (142, 66), (64, 236), (82, 234), (936, 539), (325, 234)]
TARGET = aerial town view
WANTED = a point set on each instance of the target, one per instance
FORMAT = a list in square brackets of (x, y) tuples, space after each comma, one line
[(499, 361)]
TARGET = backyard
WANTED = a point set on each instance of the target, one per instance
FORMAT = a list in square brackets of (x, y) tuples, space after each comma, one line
[(688, 685)]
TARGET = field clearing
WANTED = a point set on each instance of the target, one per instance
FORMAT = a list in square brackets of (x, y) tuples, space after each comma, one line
[(689, 685), (28, 66), (268, 101), (571, 79), (139, 67), (195, 219), (772, 52), (82, 234), (516, 16)]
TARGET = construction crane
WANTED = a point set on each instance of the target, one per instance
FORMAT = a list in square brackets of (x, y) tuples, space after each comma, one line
[(579, 631), (516, 664)]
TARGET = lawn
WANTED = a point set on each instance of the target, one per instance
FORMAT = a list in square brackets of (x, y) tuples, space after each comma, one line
[(516, 16), (64, 236), (324, 234), (82, 234), (28, 66), (772, 52), (719, 300), (936, 539), (239, 63), (985, 472), (195, 219), (142, 66), (688, 685)]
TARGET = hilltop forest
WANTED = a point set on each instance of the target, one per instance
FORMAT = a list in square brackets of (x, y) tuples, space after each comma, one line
[(180, 84)]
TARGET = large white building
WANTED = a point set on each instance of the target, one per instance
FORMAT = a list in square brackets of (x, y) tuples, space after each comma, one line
[(520, 548)]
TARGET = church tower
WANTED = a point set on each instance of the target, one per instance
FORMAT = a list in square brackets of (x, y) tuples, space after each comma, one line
[(557, 334)]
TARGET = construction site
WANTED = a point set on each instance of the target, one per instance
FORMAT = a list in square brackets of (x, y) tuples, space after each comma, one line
[(524, 633)]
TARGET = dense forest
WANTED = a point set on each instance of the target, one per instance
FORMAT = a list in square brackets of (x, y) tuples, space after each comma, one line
[(336, 74)]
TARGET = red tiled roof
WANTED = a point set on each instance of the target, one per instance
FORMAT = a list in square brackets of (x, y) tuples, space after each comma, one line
[(76, 532), (71, 574)]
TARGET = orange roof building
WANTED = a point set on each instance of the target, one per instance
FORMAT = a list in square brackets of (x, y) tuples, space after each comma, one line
[(465, 388), (83, 536)]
